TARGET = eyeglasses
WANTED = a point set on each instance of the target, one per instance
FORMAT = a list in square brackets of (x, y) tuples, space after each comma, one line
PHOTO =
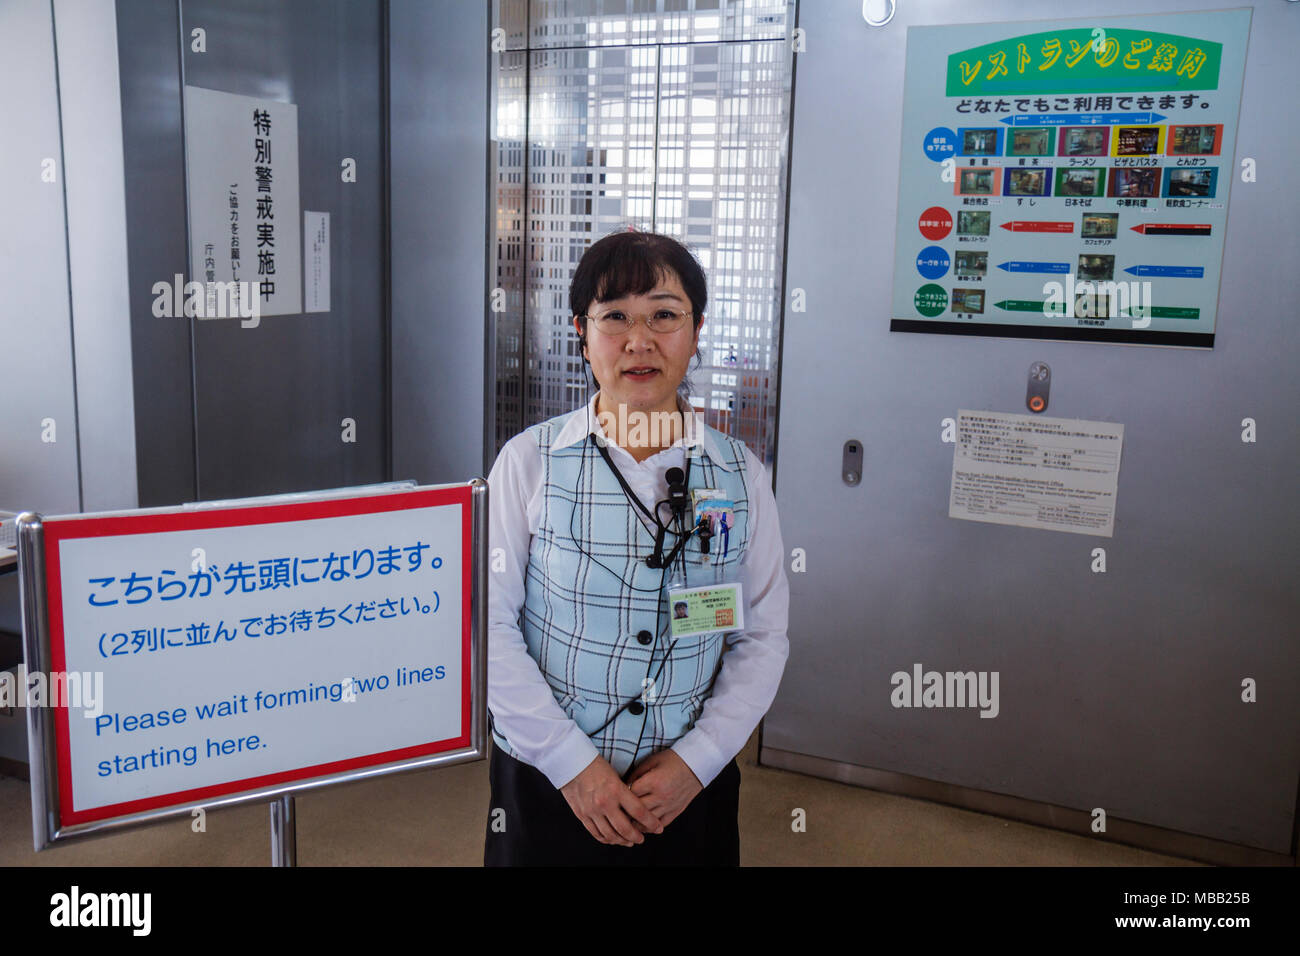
[(616, 321)]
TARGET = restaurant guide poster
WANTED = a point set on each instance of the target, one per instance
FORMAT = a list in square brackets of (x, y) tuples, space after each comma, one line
[(1068, 179)]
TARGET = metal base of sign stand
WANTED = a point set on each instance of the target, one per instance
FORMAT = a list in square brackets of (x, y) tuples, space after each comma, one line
[(284, 833)]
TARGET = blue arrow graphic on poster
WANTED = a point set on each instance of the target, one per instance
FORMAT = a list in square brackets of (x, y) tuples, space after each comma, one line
[(1021, 266), (1177, 272), (1083, 119)]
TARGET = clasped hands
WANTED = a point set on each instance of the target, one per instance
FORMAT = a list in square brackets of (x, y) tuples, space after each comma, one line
[(619, 813)]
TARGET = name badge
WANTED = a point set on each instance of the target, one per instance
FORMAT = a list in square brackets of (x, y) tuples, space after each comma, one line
[(714, 607)]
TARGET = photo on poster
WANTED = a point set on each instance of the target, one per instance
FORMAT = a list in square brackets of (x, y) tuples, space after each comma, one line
[(977, 182), (1195, 140), (1080, 182), (968, 301), (1084, 140), (980, 142), (1092, 305), (1134, 183), (1032, 181), (973, 222), (1137, 140), (1031, 142), (1199, 183), (970, 263), (1100, 225), (1096, 267)]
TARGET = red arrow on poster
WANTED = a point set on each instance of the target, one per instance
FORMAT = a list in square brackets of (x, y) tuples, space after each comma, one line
[(1172, 229), (1038, 225)]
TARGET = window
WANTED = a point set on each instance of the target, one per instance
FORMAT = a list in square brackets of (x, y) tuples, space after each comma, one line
[(670, 116)]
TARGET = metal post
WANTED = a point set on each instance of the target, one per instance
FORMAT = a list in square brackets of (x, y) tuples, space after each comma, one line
[(284, 833)]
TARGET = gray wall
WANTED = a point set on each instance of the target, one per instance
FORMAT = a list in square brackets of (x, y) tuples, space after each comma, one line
[(35, 312), (64, 324), (91, 108), (154, 154), (438, 76), (1118, 690), (223, 410), (219, 410)]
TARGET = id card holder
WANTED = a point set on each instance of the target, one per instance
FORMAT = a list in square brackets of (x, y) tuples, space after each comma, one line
[(705, 610), (713, 516)]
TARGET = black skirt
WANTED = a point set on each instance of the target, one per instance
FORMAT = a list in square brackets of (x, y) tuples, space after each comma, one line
[(540, 828)]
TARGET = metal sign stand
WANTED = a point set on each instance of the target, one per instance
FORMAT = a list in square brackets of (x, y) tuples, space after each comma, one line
[(48, 826), (284, 832)]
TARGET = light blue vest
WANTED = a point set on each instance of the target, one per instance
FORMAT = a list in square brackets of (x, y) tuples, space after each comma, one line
[(592, 635)]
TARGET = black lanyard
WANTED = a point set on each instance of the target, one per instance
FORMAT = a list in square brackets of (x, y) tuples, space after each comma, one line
[(653, 516)]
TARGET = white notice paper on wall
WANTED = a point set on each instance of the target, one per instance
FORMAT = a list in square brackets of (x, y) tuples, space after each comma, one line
[(241, 156), (1055, 474), (316, 260)]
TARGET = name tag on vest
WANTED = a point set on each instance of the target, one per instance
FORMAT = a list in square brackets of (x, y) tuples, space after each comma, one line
[(715, 607)]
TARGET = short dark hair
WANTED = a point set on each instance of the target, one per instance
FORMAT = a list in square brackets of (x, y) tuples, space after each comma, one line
[(631, 263)]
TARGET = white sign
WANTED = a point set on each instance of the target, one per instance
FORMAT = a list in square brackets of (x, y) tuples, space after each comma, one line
[(241, 157), (316, 251), (254, 645), (1056, 474)]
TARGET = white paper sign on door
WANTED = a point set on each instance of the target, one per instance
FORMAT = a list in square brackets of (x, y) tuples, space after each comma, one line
[(241, 156), (316, 265), (1055, 474)]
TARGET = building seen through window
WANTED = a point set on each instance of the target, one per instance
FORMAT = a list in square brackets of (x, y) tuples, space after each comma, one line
[(668, 116)]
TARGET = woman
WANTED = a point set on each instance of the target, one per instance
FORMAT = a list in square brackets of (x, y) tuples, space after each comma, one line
[(615, 723)]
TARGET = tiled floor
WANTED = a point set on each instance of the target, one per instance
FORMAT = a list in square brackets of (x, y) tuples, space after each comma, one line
[(438, 817)]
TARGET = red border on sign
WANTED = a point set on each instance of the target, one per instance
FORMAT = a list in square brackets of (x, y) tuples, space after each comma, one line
[(58, 530)]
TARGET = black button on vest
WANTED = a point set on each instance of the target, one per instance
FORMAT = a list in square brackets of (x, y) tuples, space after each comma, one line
[(645, 637), (635, 708)]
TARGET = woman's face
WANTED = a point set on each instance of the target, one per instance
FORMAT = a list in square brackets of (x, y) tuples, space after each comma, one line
[(639, 368)]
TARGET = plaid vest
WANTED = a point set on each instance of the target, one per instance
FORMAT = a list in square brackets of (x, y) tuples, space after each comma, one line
[(592, 635)]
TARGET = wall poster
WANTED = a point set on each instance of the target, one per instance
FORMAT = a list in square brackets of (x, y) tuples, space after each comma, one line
[(1068, 179)]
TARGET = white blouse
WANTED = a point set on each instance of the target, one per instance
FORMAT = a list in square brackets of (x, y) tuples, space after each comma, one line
[(523, 706)]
